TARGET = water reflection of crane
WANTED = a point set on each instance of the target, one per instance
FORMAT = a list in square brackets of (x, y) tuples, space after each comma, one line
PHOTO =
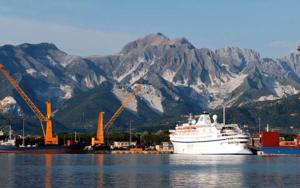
[(48, 173), (100, 163)]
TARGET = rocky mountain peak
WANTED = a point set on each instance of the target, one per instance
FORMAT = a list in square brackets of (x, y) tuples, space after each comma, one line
[(237, 58), (43, 45), (235, 51), (183, 41), (154, 39), (292, 57), (33, 49)]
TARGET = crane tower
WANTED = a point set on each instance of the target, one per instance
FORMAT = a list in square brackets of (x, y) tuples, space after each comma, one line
[(99, 140)]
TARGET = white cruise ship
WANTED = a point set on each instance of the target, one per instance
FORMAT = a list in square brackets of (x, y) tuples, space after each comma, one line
[(209, 138)]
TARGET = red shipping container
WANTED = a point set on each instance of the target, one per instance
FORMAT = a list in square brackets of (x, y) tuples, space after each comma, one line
[(270, 139), (298, 140), (70, 142)]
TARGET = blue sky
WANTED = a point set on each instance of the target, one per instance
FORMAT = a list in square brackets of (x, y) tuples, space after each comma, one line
[(90, 27)]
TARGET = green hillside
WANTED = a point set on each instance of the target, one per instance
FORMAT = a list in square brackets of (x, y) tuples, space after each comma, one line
[(80, 113)]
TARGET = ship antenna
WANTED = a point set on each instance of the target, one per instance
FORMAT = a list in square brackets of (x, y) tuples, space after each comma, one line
[(190, 118)]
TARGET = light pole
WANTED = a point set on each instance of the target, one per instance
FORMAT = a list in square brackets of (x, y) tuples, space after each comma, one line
[(298, 49), (23, 139), (259, 125)]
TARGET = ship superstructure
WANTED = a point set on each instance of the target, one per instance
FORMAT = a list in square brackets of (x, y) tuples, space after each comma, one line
[(205, 137)]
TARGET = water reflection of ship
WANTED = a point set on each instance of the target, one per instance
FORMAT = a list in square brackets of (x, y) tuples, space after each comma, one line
[(207, 171), (8, 166)]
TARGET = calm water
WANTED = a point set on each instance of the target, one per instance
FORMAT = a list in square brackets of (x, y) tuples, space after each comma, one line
[(147, 171)]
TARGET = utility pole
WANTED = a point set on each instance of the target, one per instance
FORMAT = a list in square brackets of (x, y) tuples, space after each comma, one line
[(130, 138), (75, 137), (23, 141), (224, 116)]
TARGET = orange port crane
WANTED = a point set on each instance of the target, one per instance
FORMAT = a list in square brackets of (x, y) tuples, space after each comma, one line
[(124, 104), (99, 140), (49, 139)]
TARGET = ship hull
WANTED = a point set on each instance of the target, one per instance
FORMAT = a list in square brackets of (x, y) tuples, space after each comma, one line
[(211, 147), (42, 149), (280, 151)]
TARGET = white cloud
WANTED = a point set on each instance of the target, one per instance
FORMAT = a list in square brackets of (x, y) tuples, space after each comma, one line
[(280, 44), (74, 40)]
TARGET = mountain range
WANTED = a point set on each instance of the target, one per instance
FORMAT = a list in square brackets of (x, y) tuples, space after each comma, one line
[(178, 78)]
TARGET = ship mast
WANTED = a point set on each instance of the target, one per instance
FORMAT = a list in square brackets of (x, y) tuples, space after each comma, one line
[(10, 133)]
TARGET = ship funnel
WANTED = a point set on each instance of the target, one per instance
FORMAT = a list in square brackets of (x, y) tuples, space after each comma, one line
[(215, 117)]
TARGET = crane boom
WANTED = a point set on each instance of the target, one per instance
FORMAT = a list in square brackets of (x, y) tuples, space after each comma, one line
[(31, 105), (124, 104)]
